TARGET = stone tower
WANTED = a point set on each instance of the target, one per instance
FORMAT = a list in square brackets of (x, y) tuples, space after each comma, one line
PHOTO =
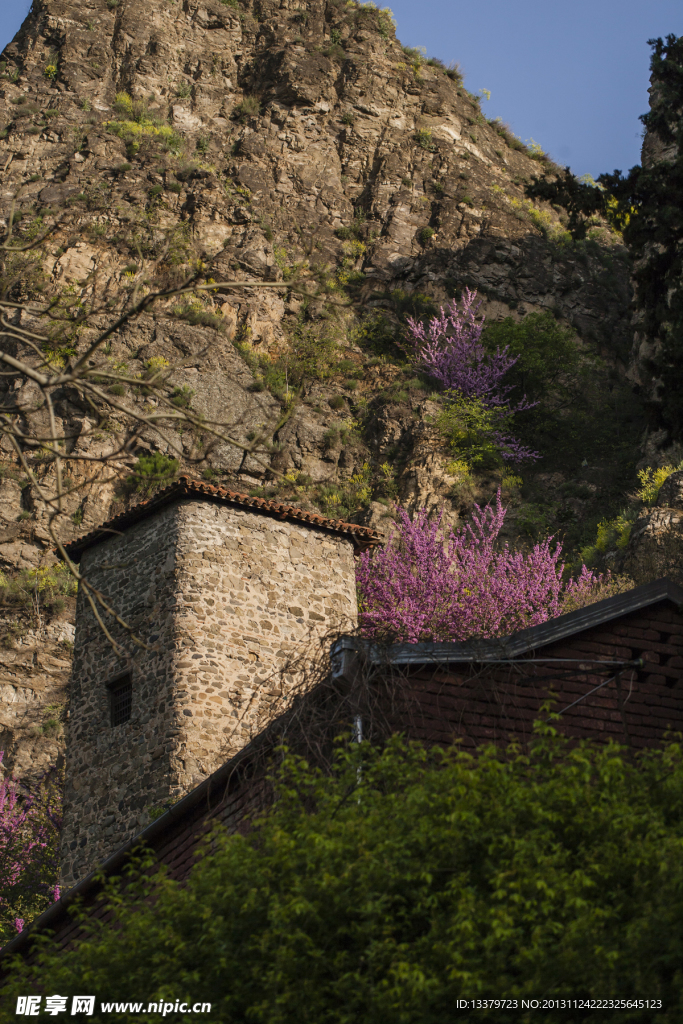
[(221, 589)]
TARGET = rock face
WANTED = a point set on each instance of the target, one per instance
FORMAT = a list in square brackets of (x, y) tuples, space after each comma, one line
[(655, 547), (34, 674), (256, 137)]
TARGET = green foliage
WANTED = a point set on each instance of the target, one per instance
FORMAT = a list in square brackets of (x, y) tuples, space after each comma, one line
[(386, 22), (584, 412), (152, 472), (403, 881), (471, 429), (42, 587), (343, 500), (356, 229), (615, 533), (135, 122), (651, 481), (250, 106), (155, 367), (195, 313), (545, 351), (182, 396), (425, 234), (580, 199), (311, 354), (423, 137), (652, 198), (381, 331)]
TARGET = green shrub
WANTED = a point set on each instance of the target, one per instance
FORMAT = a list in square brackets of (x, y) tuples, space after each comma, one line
[(331, 438), (196, 314), (545, 351), (151, 472), (550, 869), (344, 499), (336, 402), (425, 234), (651, 481), (615, 533), (354, 230), (249, 107), (182, 396), (423, 137), (42, 586), (311, 354), (471, 431)]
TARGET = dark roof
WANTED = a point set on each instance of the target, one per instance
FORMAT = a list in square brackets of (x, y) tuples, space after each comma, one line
[(526, 640), (362, 536)]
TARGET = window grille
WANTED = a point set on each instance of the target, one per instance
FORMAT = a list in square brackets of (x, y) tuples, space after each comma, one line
[(120, 700)]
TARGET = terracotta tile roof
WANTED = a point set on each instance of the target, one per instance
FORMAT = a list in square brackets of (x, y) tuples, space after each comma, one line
[(184, 487)]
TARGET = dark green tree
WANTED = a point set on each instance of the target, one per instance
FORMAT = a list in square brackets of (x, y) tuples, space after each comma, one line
[(647, 205), (406, 879)]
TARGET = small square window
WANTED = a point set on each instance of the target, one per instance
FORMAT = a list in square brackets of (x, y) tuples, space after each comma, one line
[(120, 700)]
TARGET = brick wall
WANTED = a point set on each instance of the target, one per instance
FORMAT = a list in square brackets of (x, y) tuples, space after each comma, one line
[(483, 704), (222, 597)]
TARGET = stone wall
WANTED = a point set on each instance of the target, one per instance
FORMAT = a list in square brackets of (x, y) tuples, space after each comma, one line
[(222, 597)]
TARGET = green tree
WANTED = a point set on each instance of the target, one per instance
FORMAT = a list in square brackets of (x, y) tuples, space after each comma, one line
[(647, 206), (406, 879), (151, 472), (546, 352)]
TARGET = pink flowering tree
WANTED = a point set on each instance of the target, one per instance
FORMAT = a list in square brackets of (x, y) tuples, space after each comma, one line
[(30, 824), (429, 584), (449, 350)]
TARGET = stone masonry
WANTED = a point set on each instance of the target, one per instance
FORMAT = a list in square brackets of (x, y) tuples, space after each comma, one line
[(222, 590)]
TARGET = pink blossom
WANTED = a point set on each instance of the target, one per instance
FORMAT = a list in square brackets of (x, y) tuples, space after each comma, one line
[(432, 585), (30, 822), (449, 350)]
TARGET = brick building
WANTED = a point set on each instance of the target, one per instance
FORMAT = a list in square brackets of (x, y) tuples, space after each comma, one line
[(612, 671), (220, 590)]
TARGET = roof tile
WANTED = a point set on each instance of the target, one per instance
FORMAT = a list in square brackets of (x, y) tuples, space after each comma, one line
[(185, 487)]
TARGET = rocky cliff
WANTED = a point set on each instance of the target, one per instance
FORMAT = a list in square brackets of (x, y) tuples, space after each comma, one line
[(266, 141)]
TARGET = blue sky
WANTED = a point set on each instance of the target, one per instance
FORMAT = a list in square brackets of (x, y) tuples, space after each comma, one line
[(571, 76)]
